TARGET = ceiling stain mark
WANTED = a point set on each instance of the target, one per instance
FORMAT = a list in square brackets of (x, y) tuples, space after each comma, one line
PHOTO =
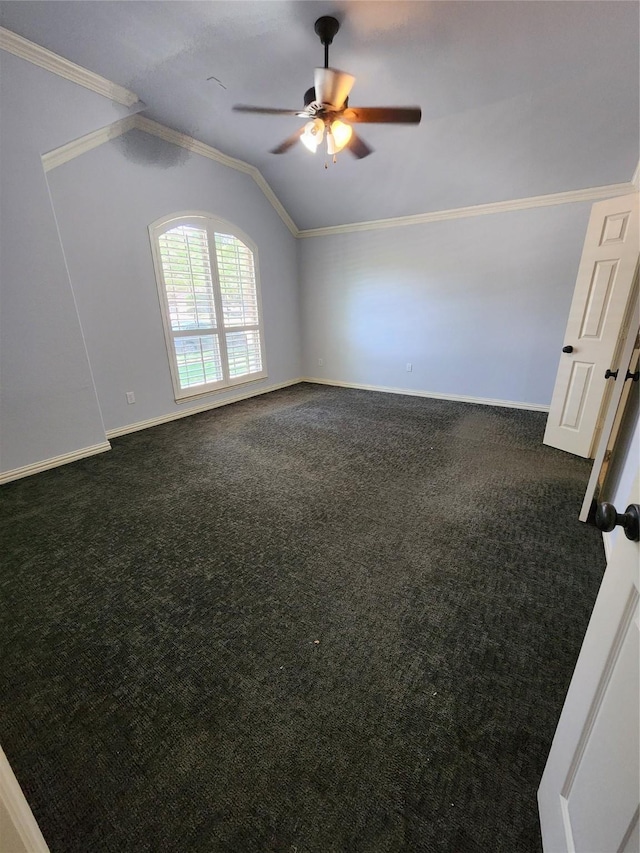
[(146, 150)]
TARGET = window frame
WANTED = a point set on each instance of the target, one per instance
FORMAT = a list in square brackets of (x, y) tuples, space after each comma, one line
[(212, 224)]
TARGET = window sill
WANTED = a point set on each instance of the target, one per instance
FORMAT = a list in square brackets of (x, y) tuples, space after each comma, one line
[(237, 383)]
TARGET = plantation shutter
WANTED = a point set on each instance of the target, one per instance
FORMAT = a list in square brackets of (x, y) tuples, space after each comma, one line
[(211, 307), (189, 287), (239, 305)]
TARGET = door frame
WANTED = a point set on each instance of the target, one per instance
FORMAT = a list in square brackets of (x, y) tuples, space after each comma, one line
[(629, 334)]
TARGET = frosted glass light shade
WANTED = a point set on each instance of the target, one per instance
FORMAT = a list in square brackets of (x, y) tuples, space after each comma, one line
[(341, 134), (313, 133)]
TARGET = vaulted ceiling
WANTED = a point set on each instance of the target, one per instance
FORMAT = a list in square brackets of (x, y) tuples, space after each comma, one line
[(519, 99)]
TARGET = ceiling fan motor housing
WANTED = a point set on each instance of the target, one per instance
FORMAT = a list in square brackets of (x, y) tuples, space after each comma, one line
[(310, 96)]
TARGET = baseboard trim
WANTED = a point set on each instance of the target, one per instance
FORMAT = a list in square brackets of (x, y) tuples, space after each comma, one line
[(53, 462), (215, 404), (83, 453), (409, 392), (18, 809)]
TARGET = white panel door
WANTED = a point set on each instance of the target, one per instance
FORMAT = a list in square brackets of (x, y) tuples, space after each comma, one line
[(590, 790), (603, 286)]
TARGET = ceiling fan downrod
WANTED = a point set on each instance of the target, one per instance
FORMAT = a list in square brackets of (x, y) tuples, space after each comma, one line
[(326, 27), (327, 111)]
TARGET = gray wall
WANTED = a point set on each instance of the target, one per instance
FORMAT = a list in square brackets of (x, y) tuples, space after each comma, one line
[(104, 202), (48, 405), (477, 305)]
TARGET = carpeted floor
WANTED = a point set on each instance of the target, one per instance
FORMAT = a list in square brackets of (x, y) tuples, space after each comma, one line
[(321, 620)]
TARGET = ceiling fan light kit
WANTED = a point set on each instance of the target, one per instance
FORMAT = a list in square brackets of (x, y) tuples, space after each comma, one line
[(327, 103), (338, 135), (312, 134)]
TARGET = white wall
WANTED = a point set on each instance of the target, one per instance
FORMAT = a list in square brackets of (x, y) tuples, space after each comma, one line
[(477, 305), (48, 405), (104, 202)]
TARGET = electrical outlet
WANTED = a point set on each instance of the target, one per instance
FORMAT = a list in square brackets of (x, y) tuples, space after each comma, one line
[(409, 367), (320, 362), (131, 397)]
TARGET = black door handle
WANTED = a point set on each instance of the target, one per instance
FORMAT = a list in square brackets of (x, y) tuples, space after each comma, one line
[(607, 518), (611, 373), (568, 348), (632, 376)]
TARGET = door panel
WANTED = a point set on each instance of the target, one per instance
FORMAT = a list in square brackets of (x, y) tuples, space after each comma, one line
[(606, 755), (577, 394), (603, 287), (590, 790)]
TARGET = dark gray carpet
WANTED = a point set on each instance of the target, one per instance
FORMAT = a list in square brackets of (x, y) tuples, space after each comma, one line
[(321, 620)]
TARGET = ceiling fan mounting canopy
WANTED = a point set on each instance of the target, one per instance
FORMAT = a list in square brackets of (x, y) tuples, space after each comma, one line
[(326, 103), (326, 27)]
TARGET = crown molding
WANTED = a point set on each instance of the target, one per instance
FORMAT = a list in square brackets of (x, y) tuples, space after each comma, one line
[(34, 53), (79, 146), (191, 144), (154, 128), (92, 140), (570, 197), (275, 201), (25, 49), (65, 153)]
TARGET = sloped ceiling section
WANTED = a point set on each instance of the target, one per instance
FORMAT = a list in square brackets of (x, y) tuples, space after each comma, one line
[(519, 99)]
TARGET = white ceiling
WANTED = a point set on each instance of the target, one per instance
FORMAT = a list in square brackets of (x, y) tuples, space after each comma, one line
[(518, 98)]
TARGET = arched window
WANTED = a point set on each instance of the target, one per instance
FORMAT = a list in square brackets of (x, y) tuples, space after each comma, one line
[(210, 301)]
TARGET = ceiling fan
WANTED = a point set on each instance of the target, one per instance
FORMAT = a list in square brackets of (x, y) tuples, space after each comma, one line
[(327, 110)]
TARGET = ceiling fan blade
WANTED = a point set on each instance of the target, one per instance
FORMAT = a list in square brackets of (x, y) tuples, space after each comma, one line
[(289, 142), (358, 146), (383, 115), (332, 86), (269, 111)]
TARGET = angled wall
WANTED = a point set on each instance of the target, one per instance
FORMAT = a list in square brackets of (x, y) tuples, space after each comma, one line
[(79, 314), (104, 202), (48, 403)]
